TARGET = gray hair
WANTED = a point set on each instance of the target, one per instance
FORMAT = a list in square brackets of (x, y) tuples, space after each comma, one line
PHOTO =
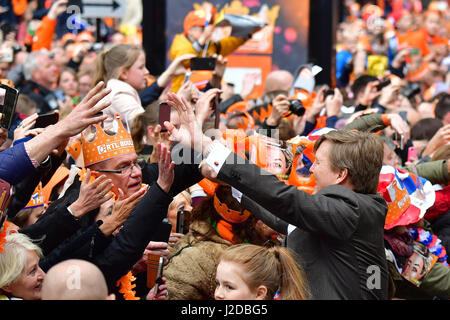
[(32, 62)]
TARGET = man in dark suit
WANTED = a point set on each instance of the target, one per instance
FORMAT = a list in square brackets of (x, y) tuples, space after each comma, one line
[(339, 229)]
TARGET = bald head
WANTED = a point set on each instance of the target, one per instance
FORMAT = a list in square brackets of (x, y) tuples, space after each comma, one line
[(74, 280), (279, 80)]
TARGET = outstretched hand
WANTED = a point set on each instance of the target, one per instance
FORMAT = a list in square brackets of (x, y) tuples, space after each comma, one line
[(189, 132), (87, 112), (92, 195), (121, 211), (166, 168)]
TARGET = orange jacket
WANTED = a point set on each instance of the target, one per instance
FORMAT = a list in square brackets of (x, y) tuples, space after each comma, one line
[(19, 6), (181, 45), (44, 34), (421, 40)]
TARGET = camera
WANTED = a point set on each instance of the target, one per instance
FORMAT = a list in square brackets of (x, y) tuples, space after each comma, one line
[(329, 92), (296, 107), (411, 90), (96, 47)]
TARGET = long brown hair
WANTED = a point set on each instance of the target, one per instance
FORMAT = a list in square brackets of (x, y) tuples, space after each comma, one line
[(112, 62), (274, 267)]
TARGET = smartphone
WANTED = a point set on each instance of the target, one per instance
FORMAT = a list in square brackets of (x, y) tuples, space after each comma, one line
[(8, 102), (180, 221), (96, 47), (158, 280), (203, 64), (217, 112), (162, 234), (412, 154), (7, 55), (329, 92), (47, 119), (383, 84), (164, 115), (154, 270)]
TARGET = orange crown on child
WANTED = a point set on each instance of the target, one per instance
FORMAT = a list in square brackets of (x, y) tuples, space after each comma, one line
[(97, 145)]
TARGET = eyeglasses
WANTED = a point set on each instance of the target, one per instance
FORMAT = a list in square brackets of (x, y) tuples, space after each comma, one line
[(124, 170)]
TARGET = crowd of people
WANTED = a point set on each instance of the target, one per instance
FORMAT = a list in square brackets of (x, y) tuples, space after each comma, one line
[(310, 191)]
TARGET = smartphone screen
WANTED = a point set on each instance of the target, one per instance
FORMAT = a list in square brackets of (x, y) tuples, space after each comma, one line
[(203, 64), (164, 115), (162, 234), (159, 274), (8, 101), (46, 119), (217, 112)]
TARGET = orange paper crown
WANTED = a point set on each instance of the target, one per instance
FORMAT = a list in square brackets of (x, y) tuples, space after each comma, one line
[(102, 146), (58, 177), (37, 199)]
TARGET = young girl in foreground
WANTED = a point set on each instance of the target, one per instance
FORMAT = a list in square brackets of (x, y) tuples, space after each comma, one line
[(250, 272)]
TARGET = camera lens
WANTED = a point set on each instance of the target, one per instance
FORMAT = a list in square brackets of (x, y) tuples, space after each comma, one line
[(296, 107)]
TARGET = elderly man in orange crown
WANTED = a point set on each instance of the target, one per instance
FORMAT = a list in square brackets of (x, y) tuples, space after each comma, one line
[(111, 171)]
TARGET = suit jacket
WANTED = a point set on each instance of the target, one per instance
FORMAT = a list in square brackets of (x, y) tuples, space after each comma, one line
[(339, 234)]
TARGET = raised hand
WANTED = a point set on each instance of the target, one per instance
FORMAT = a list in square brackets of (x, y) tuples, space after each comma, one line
[(280, 107), (399, 125), (121, 211), (176, 68), (189, 132), (57, 9), (92, 195), (87, 112), (333, 103), (441, 137), (204, 107), (165, 167), (159, 137), (24, 128), (317, 106), (370, 93)]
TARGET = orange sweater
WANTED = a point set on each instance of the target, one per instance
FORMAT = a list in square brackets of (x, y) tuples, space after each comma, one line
[(44, 34)]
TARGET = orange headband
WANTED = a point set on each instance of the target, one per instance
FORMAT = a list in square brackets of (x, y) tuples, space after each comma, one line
[(229, 215)]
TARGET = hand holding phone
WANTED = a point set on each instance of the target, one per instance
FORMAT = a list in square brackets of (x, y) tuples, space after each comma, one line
[(383, 84), (8, 102)]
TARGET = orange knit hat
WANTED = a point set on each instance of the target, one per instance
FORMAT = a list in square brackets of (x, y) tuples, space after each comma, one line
[(99, 146), (195, 18)]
